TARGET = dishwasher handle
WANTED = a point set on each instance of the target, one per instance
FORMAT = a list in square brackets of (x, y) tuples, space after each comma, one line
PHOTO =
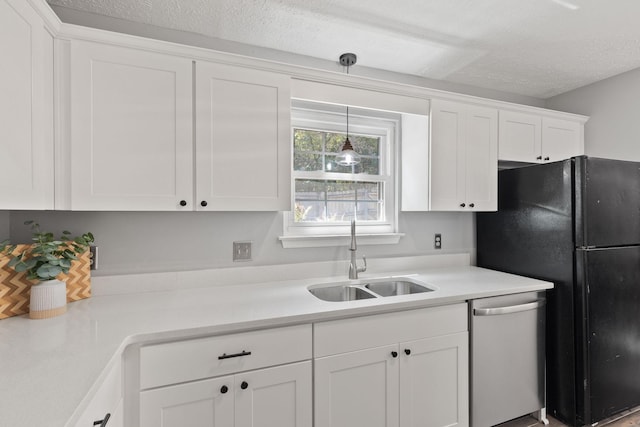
[(509, 309)]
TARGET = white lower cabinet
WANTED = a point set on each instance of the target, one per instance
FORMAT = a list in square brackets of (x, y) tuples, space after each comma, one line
[(399, 369), (278, 396), (407, 383), (434, 381), (252, 379), (359, 388)]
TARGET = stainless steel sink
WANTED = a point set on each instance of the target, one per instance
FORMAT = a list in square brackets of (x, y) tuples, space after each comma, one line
[(366, 289), (341, 293), (396, 287)]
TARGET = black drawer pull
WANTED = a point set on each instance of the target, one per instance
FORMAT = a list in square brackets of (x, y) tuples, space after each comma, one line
[(224, 389), (103, 422), (244, 385), (407, 351), (229, 356)]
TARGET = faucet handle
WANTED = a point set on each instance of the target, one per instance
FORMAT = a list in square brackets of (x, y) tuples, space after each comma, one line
[(363, 269)]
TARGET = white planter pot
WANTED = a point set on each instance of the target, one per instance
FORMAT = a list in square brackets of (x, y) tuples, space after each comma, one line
[(48, 299)]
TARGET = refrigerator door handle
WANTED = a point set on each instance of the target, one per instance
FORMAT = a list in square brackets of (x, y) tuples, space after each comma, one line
[(509, 309)]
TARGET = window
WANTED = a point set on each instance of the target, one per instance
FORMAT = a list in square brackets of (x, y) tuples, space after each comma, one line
[(328, 196)]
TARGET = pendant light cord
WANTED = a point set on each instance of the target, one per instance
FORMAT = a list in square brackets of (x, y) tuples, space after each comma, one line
[(347, 122), (348, 66)]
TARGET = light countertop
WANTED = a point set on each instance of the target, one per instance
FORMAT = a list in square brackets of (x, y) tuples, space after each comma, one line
[(50, 368)]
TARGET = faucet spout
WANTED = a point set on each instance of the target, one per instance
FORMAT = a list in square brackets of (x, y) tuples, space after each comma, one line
[(354, 245), (353, 248)]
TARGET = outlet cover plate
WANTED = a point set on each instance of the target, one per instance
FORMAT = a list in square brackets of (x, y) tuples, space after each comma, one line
[(242, 251), (94, 257)]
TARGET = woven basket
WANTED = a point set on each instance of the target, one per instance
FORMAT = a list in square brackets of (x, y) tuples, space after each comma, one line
[(15, 288)]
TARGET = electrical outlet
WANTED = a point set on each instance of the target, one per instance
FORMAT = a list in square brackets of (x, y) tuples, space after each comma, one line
[(437, 241), (242, 251), (93, 257)]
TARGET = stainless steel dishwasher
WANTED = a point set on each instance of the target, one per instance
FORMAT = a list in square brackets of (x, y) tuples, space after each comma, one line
[(507, 358)]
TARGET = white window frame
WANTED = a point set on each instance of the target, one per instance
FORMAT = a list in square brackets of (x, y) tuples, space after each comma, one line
[(327, 117)]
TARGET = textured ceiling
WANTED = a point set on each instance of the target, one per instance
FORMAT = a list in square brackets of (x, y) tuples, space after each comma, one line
[(537, 48)]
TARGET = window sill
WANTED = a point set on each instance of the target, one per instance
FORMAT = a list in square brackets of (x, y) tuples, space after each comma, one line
[(292, 242)]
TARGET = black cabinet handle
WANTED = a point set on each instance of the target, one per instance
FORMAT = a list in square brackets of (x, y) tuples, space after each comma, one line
[(229, 356), (471, 205), (394, 354), (407, 351), (244, 385), (462, 205), (539, 158), (224, 389), (546, 158), (103, 422), (203, 203), (183, 203)]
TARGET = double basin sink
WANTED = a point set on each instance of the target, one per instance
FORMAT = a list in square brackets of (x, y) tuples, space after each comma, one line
[(367, 289)]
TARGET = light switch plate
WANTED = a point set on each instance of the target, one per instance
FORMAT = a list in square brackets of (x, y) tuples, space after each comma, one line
[(242, 251)]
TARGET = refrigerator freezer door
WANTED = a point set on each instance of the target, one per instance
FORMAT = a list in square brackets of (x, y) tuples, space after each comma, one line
[(609, 286), (608, 192)]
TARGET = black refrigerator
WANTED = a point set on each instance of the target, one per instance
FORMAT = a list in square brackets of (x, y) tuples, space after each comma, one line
[(576, 223)]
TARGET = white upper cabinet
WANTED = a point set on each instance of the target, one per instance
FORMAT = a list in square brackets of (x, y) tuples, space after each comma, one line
[(463, 164), (26, 108), (561, 139), (131, 129), (243, 139), (534, 139), (520, 137), (133, 136)]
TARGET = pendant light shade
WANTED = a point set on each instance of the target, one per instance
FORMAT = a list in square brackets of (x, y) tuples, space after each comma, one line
[(347, 155)]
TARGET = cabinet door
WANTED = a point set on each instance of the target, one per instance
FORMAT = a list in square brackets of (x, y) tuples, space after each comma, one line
[(26, 109), (243, 139), (197, 404), (279, 396), (131, 129), (357, 389), (520, 137), (561, 139), (434, 377), (481, 155), (447, 164)]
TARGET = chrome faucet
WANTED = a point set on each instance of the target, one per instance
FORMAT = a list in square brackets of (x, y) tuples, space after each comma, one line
[(353, 265)]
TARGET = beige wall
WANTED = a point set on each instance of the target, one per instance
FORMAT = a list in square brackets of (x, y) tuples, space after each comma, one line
[(141, 242), (613, 104), (4, 225)]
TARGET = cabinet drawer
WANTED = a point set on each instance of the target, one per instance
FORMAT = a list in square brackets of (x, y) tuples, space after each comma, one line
[(181, 361), (341, 336)]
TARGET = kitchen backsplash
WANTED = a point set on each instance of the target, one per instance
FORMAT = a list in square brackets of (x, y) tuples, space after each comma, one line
[(144, 242)]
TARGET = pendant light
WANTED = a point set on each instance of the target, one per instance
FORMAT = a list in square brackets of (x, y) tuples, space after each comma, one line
[(347, 155)]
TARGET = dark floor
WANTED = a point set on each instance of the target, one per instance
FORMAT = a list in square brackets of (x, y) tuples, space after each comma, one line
[(626, 419)]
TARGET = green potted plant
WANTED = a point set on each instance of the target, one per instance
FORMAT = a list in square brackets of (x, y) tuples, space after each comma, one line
[(42, 262)]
